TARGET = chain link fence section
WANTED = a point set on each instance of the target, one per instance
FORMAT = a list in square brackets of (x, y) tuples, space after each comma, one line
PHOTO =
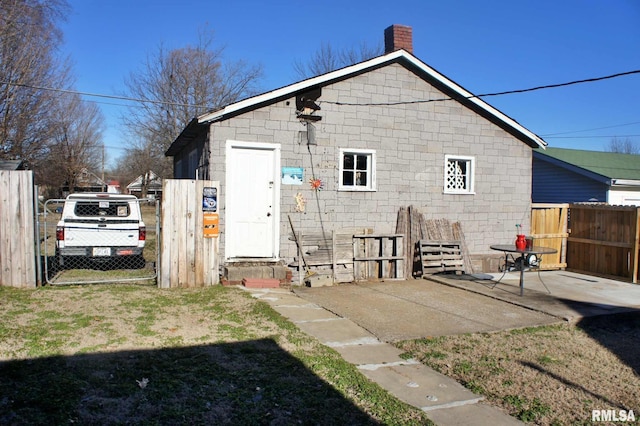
[(99, 238)]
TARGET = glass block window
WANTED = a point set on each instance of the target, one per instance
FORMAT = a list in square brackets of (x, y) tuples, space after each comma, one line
[(357, 170), (459, 174)]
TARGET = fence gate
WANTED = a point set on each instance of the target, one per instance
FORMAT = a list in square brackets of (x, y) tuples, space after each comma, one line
[(190, 233), (549, 229), (17, 230), (97, 231)]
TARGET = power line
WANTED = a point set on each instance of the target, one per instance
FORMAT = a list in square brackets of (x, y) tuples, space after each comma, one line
[(589, 130), (100, 95), (420, 101), (484, 95), (590, 137), (553, 86)]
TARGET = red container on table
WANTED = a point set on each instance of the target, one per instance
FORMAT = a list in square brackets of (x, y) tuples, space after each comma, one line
[(529, 241)]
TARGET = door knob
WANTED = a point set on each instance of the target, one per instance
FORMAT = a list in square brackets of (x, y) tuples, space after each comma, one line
[(269, 214)]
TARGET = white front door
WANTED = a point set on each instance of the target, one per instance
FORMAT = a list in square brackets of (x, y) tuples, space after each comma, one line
[(253, 195)]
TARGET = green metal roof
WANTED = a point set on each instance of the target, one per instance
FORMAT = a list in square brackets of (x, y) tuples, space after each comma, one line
[(608, 164)]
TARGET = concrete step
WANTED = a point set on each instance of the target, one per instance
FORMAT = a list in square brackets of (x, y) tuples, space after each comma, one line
[(234, 274), (260, 282)]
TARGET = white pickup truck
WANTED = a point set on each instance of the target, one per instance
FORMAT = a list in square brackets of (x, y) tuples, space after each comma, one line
[(100, 227)]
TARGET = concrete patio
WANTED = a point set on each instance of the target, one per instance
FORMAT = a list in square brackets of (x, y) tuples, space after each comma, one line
[(359, 320)]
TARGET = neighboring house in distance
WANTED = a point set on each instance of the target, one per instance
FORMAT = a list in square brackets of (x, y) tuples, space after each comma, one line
[(379, 135), (86, 181), (113, 187), (571, 176), (12, 165), (154, 186)]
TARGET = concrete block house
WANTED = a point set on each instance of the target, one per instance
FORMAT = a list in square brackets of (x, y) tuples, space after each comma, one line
[(379, 135)]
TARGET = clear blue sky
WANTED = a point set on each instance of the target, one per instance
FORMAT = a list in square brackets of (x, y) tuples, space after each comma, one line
[(485, 46)]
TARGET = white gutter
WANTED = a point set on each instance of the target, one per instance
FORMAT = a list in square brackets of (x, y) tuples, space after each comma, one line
[(625, 182)]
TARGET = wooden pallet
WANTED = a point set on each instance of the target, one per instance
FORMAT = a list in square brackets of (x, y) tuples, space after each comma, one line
[(379, 257), (327, 252), (350, 255), (441, 256)]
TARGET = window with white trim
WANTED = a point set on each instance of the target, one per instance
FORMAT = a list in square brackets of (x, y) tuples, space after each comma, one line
[(459, 174), (357, 170)]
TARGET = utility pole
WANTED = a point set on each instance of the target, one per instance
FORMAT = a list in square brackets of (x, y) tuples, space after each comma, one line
[(105, 183)]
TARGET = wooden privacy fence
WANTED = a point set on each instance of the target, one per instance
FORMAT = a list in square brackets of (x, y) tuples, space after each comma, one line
[(188, 258), (17, 229), (549, 229), (604, 240)]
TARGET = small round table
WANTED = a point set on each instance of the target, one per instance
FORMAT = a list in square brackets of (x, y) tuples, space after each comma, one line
[(511, 248)]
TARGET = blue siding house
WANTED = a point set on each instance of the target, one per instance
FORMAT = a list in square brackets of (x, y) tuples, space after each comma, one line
[(572, 176)]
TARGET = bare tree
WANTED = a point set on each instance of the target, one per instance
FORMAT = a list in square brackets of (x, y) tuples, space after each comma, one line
[(137, 161), (183, 83), (623, 146), (29, 39), (76, 143), (327, 59), (363, 52)]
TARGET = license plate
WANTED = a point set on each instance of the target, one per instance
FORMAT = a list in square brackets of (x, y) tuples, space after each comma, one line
[(102, 251)]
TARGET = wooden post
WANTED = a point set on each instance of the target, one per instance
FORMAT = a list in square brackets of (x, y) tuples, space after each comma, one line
[(635, 253), (300, 261), (333, 256)]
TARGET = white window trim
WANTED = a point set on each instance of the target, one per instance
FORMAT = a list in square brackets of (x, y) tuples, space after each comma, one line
[(471, 174), (371, 186)]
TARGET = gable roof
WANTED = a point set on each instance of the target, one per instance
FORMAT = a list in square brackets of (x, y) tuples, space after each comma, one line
[(88, 178), (447, 86), (12, 165), (154, 182), (610, 167)]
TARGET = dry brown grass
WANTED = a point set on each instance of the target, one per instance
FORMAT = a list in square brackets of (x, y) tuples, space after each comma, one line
[(546, 375), (113, 354)]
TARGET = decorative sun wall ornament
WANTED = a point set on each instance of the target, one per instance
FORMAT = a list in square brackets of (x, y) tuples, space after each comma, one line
[(300, 202), (316, 184)]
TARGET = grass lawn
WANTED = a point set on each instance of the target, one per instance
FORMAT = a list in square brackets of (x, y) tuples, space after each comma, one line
[(125, 354), (550, 375)]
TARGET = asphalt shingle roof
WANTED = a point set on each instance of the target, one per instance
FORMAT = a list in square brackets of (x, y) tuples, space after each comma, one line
[(609, 164), (11, 165)]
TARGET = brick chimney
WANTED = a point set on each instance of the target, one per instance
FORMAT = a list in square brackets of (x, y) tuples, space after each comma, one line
[(398, 37)]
